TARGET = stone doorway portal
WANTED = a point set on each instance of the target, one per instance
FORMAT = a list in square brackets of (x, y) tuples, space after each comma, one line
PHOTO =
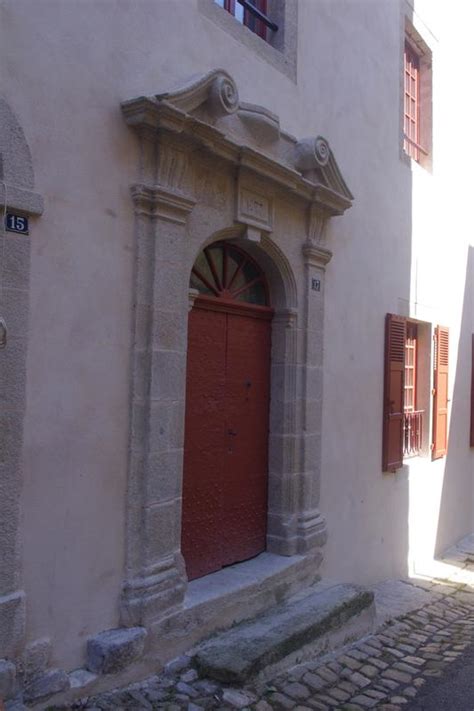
[(225, 483)]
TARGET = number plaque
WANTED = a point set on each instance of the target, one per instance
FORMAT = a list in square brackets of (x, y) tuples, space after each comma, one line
[(16, 223)]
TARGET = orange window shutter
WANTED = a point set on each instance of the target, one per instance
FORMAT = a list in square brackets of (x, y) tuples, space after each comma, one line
[(394, 381), (472, 393), (440, 395)]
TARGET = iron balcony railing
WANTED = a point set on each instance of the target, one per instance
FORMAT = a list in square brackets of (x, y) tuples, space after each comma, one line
[(413, 433)]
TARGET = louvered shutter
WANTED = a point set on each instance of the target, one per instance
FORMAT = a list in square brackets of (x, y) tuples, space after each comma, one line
[(472, 393), (440, 393), (394, 381)]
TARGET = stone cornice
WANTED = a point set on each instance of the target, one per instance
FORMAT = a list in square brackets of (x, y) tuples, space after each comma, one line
[(309, 171), (21, 199)]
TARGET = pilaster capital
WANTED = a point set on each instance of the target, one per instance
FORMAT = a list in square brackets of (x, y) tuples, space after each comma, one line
[(316, 256), (155, 201)]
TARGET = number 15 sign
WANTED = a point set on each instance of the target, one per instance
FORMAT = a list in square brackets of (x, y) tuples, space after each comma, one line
[(16, 223)]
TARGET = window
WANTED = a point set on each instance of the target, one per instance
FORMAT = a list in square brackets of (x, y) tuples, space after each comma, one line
[(417, 98), (411, 127), (406, 377), (412, 417), (251, 13)]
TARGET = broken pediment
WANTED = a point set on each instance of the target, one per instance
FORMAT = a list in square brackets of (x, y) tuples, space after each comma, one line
[(207, 111)]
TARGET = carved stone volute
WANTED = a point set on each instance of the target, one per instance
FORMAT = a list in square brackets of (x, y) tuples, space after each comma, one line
[(217, 89)]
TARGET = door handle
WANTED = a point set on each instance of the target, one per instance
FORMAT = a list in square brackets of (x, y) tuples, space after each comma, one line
[(232, 433)]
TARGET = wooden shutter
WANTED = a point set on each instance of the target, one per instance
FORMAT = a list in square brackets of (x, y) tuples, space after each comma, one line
[(440, 393), (394, 381), (472, 393)]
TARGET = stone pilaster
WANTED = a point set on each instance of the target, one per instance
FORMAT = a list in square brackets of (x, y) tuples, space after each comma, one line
[(155, 577), (311, 525)]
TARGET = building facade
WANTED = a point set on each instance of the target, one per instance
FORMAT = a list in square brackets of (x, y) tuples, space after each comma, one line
[(237, 337)]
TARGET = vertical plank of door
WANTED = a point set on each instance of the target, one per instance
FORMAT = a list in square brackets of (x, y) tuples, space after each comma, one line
[(246, 457), (204, 453)]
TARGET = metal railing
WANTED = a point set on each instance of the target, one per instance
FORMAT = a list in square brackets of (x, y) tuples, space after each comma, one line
[(413, 433), (258, 14)]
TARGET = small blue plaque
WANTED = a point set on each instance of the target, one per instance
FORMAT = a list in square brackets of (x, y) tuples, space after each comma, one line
[(316, 284), (16, 223)]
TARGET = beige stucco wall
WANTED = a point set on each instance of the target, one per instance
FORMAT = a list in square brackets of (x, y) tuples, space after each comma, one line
[(78, 61)]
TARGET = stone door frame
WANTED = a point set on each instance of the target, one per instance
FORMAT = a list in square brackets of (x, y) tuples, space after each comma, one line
[(173, 222)]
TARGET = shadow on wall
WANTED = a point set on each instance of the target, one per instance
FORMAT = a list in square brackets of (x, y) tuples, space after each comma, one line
[(457, 494)]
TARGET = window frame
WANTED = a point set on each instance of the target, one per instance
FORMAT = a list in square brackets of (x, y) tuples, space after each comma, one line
[(418, 427), (279, 49), (248, 20), (411, 103), (418, 148)]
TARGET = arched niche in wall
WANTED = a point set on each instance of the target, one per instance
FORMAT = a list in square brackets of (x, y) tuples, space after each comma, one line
[(17, 196)]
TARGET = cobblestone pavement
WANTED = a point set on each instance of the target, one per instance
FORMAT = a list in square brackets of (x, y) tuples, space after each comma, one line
[(384, 670)]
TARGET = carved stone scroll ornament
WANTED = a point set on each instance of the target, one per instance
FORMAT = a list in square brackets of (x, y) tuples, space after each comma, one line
[(217, 89), (315, 160)]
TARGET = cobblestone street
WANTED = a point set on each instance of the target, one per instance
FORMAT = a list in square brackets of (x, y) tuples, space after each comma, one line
[(385, 670)]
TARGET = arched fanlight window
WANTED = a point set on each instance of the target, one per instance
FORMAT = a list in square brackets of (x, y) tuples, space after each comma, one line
[(224, 271)]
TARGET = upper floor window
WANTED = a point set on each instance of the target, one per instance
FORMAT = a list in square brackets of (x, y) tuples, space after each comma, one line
[(411, 128), (417, 98), (252, 14)]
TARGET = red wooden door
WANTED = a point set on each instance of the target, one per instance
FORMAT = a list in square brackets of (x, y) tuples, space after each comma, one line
[(226, 433)]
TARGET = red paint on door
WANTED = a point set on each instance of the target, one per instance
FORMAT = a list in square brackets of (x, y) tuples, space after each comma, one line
[(226, 434)]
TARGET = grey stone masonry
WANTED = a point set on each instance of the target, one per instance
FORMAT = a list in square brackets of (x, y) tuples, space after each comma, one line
[(431, 627), (113, 650), (51, 682), (244, 651), (7, 679)]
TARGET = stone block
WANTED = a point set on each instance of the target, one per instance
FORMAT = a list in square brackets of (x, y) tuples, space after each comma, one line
[(51, 682), (169, 331), (36, 657), (166, 425), (12, 622), (16, 262), (162, 529), (13, 375), (80, 678), (243, 651), (164, 475), (115, 649), (168, 375), (7, 679), (14, 309)]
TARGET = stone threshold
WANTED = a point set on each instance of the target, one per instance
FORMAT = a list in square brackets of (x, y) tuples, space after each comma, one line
[(310, 622), (223, 599)]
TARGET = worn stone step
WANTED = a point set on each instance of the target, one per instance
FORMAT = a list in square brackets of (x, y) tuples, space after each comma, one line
[(319, 620)]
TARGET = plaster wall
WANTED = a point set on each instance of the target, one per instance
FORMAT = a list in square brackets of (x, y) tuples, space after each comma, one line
[(396, 523), (79, 60)]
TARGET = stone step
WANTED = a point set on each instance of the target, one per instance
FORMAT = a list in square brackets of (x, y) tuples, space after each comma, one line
[(290, 632)]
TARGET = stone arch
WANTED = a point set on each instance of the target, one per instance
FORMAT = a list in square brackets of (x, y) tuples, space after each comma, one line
[(283, 436), (16, 164), (279, 273)]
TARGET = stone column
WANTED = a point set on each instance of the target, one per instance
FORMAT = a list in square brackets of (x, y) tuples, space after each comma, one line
[(155, 576), (311, 526)]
